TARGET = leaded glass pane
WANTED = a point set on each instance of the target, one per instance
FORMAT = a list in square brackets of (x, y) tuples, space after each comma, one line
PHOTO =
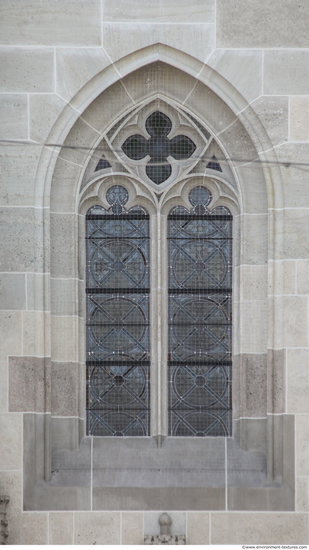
[(117, 329), (200, 318)]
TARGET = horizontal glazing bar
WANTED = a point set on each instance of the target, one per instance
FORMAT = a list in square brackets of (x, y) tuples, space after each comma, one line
[(108, 217), (200, 363), (119, 238), (118, 291), (193, 217), (201, 292), (121, 363)]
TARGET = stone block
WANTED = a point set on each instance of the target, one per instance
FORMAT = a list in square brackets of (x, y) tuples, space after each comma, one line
[(69, 488), (251, 434), (272, 499), (107, 106), (60, 528), (245, 468), (11, 334), (19, 243), (152, 526), (243, 69), (38, 294), (302, 445), (34, 425), (273, 112), (64, 187), (282, 277), (157, 77), (65, 339), (276, 381), (76, 67), (12, 291), (50, 23), (197, 528), (63, 234), (97, 528), (254, 280), (285, 72), (132, 528), (11, 484), (137, 475), (3, 386), (36, 327), (28, 382), (18, 164), (253, 327), (13, 115), (295, 321), (245, 28), (172, 11), (27, 70), (251, 177), (197, 40), (64, 389), (302, 494), (65, 299), (11, 441), (34, 528), (302, 268), (44, 109), (297, 380), (64, 434), (299, 118), (158, 498), (259, 528), (79, 141), (210, 107), (253, 398), (294, 176), (296, 236)]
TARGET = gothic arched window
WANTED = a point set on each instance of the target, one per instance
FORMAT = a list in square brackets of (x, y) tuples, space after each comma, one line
[(118, 343), (124, 278), (200, 318)]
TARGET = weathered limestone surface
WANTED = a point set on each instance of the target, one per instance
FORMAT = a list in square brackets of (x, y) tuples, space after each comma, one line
[(173, 11), (69, 70), (282, 24), (72, 23), (27, 70), (259, 528)]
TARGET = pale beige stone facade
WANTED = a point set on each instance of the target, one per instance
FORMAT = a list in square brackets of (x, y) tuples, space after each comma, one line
[(70, 71)]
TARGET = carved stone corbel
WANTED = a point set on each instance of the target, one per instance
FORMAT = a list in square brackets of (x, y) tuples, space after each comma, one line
[(165, 537), (4, 533)]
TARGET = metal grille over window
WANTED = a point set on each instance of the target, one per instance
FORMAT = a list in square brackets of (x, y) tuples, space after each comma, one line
[(118, 345), (200, 318), (158, 147)]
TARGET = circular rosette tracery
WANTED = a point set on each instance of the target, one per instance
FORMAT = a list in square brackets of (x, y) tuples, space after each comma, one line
[(201, 386), (118, 384), (118, 264), (118, 324), (200, 324), (199, 265)]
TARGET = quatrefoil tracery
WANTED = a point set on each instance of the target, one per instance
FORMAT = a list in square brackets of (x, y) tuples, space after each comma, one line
[(158, 147)]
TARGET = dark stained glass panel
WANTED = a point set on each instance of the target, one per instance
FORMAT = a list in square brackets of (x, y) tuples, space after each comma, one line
[(200, 318), (117, 329)]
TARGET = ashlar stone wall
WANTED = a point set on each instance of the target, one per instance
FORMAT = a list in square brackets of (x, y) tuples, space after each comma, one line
[(68, 70)]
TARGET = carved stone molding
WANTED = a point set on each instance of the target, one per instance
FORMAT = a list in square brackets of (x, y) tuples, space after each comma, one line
[(165, 537), (4, 533)]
